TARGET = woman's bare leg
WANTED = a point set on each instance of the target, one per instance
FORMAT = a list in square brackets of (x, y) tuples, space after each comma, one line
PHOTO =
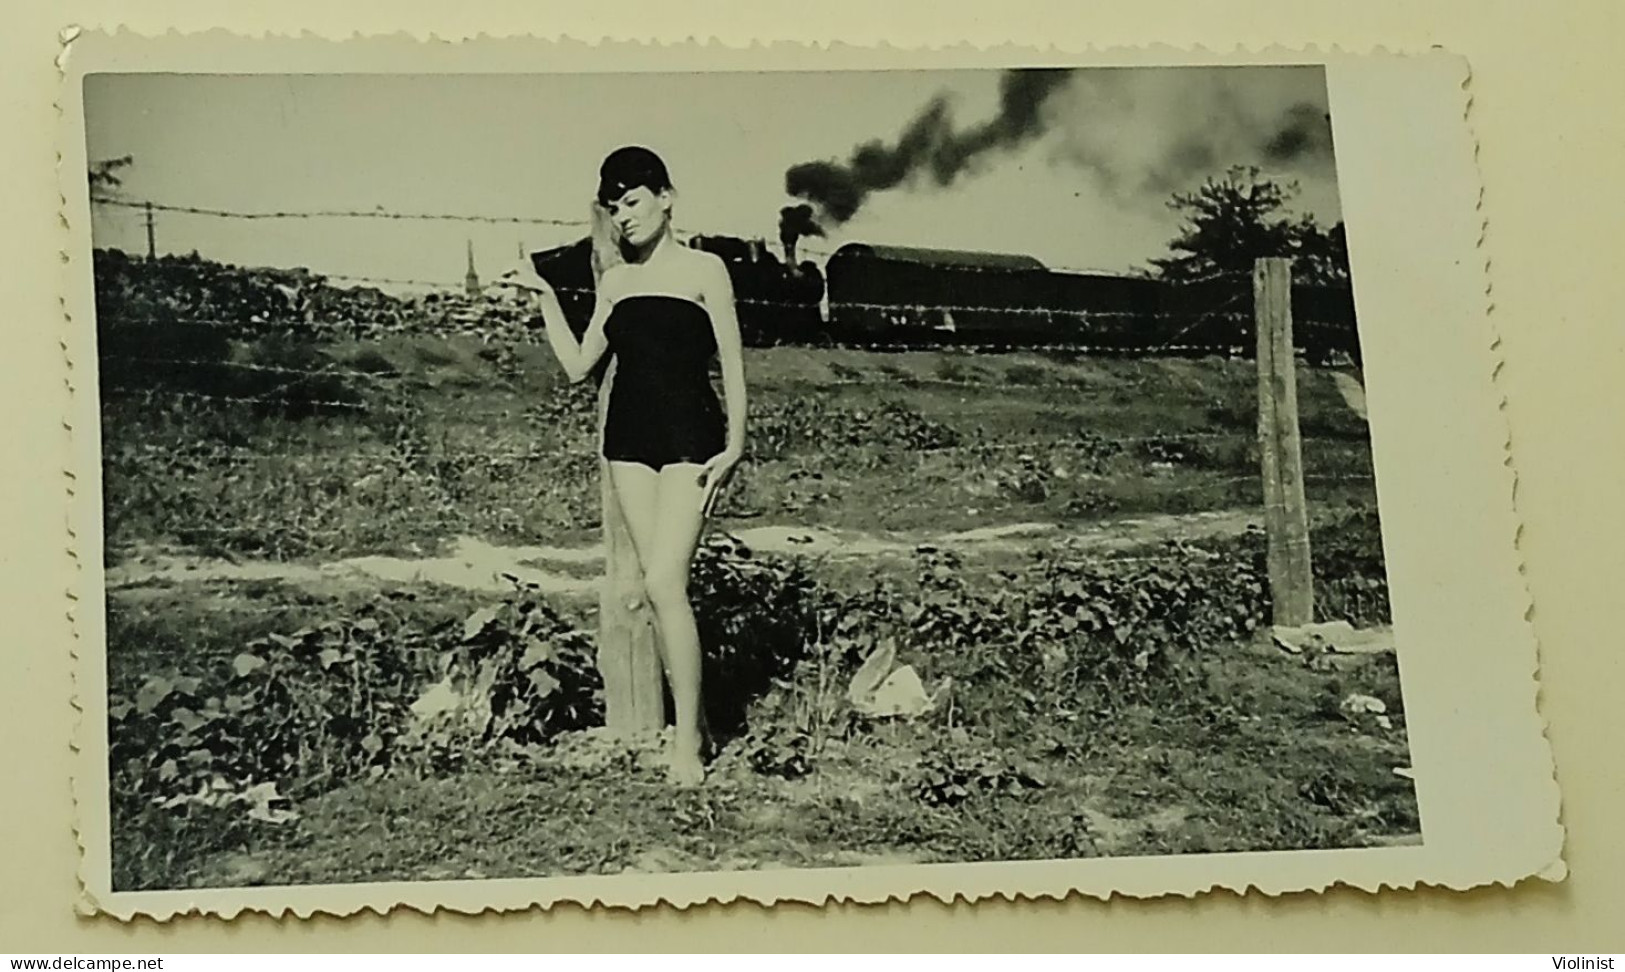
[(663, 515), (637, 492), (666, 576)]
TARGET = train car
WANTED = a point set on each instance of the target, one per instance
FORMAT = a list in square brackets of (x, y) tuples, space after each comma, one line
[(923, 297), (1323, 323), (1147, 315), (915, 295)]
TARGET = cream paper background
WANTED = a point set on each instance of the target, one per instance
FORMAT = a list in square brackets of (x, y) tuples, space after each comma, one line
[(1466, 654), (1555, 149)]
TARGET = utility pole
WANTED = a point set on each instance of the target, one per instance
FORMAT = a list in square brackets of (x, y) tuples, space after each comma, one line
[(1281, 448), (152, 242)]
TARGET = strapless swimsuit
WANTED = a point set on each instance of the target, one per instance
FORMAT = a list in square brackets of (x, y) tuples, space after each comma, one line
[(662, 408)]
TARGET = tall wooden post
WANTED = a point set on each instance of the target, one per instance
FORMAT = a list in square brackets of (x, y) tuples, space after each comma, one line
[(152, 238), (628, 656), (1286, 513)]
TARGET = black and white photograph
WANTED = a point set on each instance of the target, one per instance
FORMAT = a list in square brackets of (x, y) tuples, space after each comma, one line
[(558, 475)]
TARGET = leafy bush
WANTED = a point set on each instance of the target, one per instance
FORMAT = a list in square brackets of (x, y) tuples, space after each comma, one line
[(772, 749), (516, 673), (1128, 622), (1351, 577), (818, 423), (1200, 452), (568, 412), (757, 617), (946, 613), (1099, 632), (346, 698), (300, 710), (952, 775), (1026, 374)]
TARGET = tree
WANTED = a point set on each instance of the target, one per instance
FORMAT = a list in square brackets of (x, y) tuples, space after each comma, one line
[(1321, 256), (104, 178), (1229, 223)]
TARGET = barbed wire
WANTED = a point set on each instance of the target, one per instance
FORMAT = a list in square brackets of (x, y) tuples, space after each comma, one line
[(894, 380), (454, 292), (519, 325), (387, 454), (834, 304), (439, 285), (237, 399), (338, 371), (380, 212), (920, 347), (944, 339), (223, 530), (1084, 316), (1204, 318), (274, 369)]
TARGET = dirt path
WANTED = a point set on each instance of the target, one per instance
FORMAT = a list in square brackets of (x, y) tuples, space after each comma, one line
[(473, 564)]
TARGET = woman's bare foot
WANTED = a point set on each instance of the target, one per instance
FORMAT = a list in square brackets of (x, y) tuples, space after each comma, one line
[(686, 767)]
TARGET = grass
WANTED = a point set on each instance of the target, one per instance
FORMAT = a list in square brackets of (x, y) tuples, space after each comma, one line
[(450, 443), (455, 438)]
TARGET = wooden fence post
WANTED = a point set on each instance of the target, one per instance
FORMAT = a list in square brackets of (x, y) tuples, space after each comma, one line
[(628, 657), (1286, 513)]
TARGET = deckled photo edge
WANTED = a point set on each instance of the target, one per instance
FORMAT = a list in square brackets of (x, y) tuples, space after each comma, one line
[(1556, 869), (82, 596)]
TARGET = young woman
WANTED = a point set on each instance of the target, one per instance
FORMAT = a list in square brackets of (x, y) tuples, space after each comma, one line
[(661, 312)]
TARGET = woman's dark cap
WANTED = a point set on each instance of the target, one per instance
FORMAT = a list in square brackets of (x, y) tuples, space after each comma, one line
[(628, 168)]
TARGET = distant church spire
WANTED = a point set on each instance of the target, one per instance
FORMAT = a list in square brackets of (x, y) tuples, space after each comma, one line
[(471, 282)]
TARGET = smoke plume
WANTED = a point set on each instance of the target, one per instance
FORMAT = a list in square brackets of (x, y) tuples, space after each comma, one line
[(1145, 134), (1304, 130), (929, 145), (796, 222), (1140, 134)]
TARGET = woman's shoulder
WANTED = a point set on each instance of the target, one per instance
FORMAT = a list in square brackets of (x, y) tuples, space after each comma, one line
[(709, 271), (612, 282), (708, 263)]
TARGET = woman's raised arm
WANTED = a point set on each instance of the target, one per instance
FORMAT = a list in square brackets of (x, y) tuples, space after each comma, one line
[(577, 357)]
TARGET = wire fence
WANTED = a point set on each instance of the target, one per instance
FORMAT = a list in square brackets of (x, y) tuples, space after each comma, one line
[(380, 213), (872, 299), (168, 326)]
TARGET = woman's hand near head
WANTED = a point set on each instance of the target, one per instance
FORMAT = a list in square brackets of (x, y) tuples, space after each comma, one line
[(576, 355), (523, 277)]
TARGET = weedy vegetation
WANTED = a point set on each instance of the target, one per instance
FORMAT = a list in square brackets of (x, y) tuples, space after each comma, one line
[(1044, 699)]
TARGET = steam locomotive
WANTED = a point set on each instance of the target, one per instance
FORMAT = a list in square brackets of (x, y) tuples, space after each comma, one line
[(776, 303)]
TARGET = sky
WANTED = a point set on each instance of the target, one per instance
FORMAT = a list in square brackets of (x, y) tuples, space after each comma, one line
[(1080, 180)]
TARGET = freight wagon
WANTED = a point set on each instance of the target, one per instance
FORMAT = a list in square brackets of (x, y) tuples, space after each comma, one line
[(910, 296)]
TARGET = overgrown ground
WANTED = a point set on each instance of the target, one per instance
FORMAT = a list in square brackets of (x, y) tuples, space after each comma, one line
[(429, 438), (1092, 699)]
